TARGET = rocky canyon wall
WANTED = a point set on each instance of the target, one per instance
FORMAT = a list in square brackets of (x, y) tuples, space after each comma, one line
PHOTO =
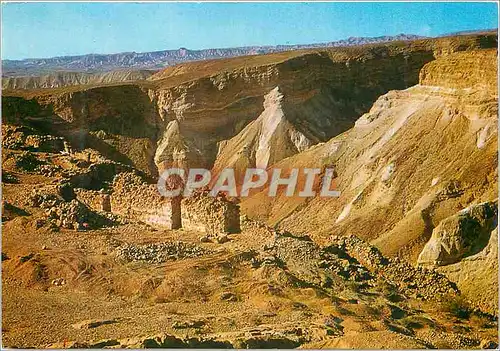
[(418, 156), (120, 122), (202, 114), (410, 173), (64, 79), (131, 198)]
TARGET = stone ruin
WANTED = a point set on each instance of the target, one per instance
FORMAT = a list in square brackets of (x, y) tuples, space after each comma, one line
[(211, 215), (130, 197), (26, 138), (63, 210)]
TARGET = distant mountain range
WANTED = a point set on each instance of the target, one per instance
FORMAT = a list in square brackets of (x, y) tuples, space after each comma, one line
[(159, 59)]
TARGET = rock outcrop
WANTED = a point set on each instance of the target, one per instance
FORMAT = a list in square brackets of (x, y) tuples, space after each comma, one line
[(462, 71), (477, 276), (463, 234), (120, 122), (465, 248), (263, 142)]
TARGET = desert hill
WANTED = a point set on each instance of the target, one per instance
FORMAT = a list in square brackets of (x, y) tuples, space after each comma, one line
[(184, 113), (62, 79), (417, 157), (406, 257)]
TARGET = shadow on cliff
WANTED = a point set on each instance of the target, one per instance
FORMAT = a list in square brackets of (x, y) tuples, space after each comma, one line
[(121, 123)]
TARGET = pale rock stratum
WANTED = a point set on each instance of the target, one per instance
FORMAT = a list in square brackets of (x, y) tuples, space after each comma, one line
[(407, 165)]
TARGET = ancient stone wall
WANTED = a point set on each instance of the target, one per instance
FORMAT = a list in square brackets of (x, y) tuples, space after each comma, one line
[(99, 174), (210, 215), (134, 199)]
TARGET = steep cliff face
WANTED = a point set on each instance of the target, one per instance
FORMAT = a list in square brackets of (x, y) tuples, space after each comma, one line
[(417, 157), (464, 247), (268, 139), (461, 71), (323, 92), (63, 79), (120, 122), (200, 114)]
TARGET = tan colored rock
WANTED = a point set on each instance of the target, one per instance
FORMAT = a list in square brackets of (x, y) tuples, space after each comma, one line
[(64, 79), (460, 235), (419, 134)]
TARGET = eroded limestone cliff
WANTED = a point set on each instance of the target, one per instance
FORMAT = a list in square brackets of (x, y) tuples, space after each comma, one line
[(64, 79), (201, 114), (416, 158), (120, 122)]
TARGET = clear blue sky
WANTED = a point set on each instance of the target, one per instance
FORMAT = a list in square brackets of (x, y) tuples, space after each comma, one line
[(34, 30)]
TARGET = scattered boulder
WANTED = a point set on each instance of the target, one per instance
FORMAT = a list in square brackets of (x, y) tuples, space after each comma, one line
[(188, 324), (205, 239), (59, 282), (460, 235), (159, 252), (222, 238)]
